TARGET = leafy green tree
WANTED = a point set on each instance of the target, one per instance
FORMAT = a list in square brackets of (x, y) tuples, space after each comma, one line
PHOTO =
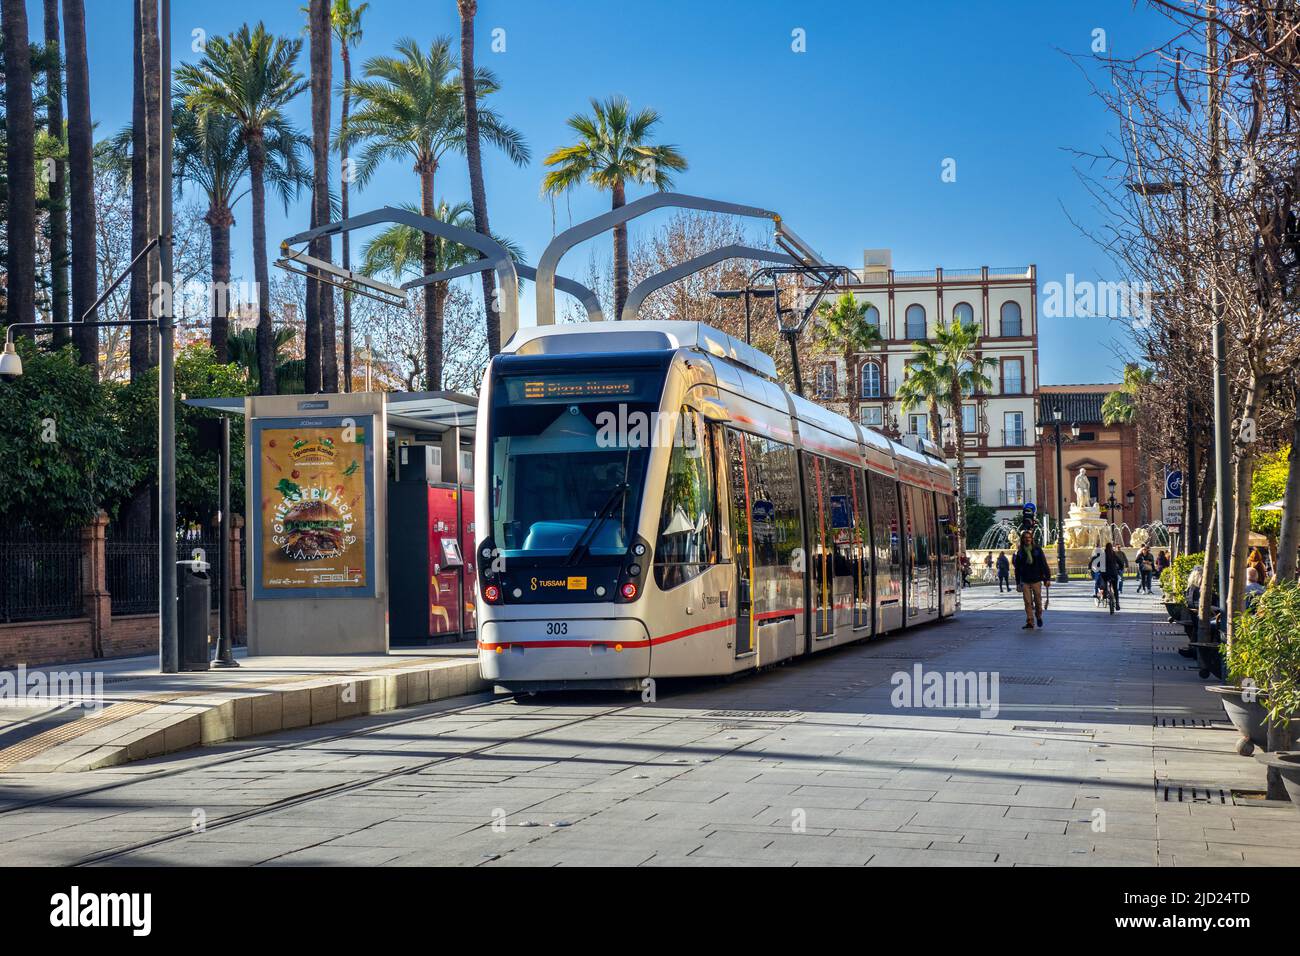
[(1269, 486), (979, 518), (1120, 407), (198, 375), (613, 147), (61, 449)]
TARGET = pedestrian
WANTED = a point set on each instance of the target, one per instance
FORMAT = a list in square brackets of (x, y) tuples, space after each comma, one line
[(1256, 561), (1112, 569), (1004, 572), (965, 570), (1032, 575), (1254, 586), (1123, 566), (1162, 562), (1146, 565)]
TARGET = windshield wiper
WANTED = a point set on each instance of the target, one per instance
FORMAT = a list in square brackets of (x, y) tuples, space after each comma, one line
[(589, 533)]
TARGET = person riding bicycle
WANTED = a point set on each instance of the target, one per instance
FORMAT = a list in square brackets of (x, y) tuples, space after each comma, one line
[(1111, 567), (1095, 564)]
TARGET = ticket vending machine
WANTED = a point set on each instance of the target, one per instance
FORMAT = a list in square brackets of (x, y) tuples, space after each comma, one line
[(431, 561)]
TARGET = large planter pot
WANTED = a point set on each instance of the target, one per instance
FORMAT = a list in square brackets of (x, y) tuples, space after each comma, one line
[(1287, 765), (1249, 717), (1175, 612), (1209, 657)]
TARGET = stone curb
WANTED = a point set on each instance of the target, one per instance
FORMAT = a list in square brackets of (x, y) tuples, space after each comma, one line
[(216, 718)]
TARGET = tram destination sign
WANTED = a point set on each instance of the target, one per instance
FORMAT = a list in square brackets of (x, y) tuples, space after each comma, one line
[(564, 388)]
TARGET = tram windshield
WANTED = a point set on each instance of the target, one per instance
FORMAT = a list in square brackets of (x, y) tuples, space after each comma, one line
[(569, 454)]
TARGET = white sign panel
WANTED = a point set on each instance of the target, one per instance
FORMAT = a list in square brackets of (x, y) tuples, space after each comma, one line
[(1171, 512)]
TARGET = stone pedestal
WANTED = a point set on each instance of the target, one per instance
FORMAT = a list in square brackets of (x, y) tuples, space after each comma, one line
[(1084, 527)]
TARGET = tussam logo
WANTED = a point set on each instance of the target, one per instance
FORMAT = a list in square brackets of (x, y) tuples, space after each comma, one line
[(77, 909), (946, 690)]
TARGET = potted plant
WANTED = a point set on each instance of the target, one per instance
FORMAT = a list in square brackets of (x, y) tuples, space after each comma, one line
[(1173, 587), (1266, 652)]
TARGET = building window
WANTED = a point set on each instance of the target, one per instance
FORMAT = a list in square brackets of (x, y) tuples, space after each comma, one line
[(873, 317), (1013, 428), (918, 424), (973, 485), (1015, 487), (870, 380), (968, 420), (915, 316), (963, 314), (873, 415), (1011, 318), (1013, 377), (826, 380)]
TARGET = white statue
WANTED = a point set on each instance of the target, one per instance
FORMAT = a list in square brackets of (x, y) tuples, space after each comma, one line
[(1082, 490)]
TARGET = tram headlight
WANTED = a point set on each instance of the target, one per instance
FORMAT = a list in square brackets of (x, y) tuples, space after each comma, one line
[(492, 594), (628, 590)]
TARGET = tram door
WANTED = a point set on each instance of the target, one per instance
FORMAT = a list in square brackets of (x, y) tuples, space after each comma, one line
[(742, 533)]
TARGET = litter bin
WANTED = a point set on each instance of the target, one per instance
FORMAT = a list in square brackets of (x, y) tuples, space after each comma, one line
[(193, 614)]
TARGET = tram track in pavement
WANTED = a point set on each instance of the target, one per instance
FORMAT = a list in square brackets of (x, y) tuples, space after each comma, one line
[(334, 790)]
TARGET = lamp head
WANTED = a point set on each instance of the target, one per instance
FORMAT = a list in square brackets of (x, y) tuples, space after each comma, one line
[(11, 366)]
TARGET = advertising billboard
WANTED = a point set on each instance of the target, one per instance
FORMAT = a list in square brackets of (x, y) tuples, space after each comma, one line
[(313, 535)]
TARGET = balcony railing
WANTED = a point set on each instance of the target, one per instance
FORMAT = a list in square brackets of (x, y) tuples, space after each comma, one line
[(1016, 437), (1012, 496)]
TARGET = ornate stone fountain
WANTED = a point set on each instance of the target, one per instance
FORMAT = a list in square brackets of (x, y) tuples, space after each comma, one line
[(1084, 527)]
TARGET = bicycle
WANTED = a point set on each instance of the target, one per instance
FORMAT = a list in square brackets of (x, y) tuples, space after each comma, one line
[(1112, 597)]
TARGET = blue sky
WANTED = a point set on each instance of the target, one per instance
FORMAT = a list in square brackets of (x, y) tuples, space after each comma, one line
[(845, 140)]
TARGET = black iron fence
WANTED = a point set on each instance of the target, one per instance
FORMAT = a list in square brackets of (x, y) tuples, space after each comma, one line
[(40, 576), (131, 567)]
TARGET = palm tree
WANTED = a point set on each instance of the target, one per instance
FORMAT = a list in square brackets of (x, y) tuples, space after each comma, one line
[(145, 199), (320, 352), (613, 148), (1120, 407), (21, 120), (346, 21), (926, 383), (967, 374), (58, 185), (244, 351), (844, 326), (81, 181), (468, 9), (251, 76), (210, 154), (410, 106)]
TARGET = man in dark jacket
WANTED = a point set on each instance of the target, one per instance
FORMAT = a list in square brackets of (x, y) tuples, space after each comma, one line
[(1004, 572), (1032, 575)]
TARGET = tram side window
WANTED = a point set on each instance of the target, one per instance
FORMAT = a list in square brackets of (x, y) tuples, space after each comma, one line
[(775, 489), (688, 540), (885, 536), (922, 521)]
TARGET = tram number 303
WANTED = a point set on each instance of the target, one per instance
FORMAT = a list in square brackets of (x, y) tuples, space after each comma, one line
[(557, 627)]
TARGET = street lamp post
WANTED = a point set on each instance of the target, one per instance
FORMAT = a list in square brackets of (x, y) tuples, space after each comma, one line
[(1061, 576)]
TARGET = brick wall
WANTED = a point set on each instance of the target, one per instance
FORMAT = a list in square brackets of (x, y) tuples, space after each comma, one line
[(99, 633)]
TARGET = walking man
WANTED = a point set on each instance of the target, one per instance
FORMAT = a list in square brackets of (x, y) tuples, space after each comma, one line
[(1032, 575), (1004, 572)]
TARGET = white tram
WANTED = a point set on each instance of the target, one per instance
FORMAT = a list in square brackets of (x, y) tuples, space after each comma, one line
[(652, 502)]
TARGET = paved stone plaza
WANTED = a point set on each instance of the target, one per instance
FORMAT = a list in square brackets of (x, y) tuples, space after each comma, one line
[(1104, 750)]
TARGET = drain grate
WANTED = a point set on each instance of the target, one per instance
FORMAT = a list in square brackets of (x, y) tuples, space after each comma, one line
[(755, 714), (1175, 667), (1184, 793), (1075, 731), (1181, 722), (1015, 679)]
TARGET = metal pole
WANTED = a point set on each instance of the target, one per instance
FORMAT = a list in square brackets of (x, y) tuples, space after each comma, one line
[(225, 650), (168, 650), (1222, 401), (460, 535), (1061, 576), (747, 342), (1190, 499)]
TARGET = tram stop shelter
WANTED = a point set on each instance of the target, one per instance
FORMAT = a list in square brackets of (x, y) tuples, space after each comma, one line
[(360, 519)]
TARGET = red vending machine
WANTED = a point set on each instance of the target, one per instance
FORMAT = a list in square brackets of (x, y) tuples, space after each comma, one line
[(431, 561)]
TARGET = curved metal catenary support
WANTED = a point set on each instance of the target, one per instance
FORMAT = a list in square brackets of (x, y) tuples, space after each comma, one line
[(691, 266), (489, 248), (590, 301), (566, 240)]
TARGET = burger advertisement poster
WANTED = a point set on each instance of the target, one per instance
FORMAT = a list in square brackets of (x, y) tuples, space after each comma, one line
[(314, 530)]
